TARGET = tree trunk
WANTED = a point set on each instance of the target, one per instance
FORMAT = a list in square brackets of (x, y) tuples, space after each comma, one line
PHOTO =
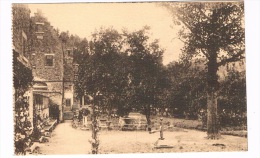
[(109, 110), (212, 119), (148, 118)]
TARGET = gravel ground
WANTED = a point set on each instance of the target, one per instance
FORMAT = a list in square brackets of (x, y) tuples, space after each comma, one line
[(67, 140)]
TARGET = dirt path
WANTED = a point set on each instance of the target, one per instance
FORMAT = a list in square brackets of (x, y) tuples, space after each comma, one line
[(67, 140)]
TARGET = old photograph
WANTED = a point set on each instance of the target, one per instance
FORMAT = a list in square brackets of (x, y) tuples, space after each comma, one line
[(129, 77)]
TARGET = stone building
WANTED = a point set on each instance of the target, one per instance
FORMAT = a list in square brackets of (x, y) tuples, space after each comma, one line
[(68, 78), (70, 75), (40, 49), (47, 60)]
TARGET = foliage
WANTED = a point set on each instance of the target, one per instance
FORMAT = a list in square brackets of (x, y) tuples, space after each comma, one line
[(147, 78), (187, 89), (20, 27), (64, 37), (23, 126), (22, 76), (99, 73), (232, 102), (187, 94), (81, 51), (211, 28), (102, 74), (122, 71)]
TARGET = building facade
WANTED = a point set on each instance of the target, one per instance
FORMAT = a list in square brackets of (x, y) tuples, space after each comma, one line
[(40, 49), (47, 60)]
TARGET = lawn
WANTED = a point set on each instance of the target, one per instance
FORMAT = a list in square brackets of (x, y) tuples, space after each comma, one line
[(197, 125)]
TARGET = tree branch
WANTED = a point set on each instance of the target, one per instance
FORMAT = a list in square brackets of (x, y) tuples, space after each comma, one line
[(181, 19), (204, 15), (233, 58), (203, 52)]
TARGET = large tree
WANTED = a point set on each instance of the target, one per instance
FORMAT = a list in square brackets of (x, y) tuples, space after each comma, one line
[(103, 75), (216, 32), (147, 74)]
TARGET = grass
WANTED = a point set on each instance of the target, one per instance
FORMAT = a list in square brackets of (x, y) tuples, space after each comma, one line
[(197, 125)]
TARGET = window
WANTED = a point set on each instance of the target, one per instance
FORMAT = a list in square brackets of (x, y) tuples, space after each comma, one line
[(38, 99), (24, 43), (48, 60), (39, 27), (39, 30), (38, 102), (68, 102)]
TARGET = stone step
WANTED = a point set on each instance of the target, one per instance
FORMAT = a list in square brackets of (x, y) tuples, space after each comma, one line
[(165, 143)]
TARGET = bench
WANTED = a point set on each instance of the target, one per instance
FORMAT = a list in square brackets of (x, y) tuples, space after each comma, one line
[(50, 127), (34, 148)]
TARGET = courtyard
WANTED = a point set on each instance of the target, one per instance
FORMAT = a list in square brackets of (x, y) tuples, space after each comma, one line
[(66, 140)]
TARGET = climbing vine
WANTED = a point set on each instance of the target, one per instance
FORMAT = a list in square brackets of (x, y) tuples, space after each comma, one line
[(22, 79)]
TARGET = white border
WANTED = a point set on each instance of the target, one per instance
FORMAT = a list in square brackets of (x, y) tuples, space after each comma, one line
[(252, 10)]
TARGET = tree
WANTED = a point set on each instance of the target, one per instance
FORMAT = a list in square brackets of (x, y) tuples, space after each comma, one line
[(103, 75), (215, 31), (146, 75), (125, 69), (186, 93), (64, 37)]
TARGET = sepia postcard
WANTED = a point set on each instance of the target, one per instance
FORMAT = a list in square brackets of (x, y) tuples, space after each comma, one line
[(134, 77)]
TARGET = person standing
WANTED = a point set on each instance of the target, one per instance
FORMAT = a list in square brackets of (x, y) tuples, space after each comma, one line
[(161, 129)]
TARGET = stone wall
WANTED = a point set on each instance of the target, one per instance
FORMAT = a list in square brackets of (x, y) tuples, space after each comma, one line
[(47, 58), (45, 43)]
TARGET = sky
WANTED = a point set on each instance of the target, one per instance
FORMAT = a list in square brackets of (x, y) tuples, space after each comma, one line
[(84, 18)]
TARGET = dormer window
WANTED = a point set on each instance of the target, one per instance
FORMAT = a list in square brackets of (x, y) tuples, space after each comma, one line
[(39, 27), (39, 30), (49, 59)]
